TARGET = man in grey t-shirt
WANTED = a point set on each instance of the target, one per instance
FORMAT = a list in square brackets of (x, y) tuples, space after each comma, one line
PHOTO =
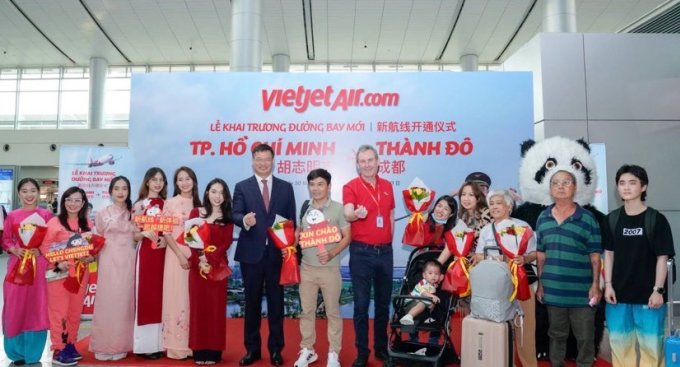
[(323, 234)]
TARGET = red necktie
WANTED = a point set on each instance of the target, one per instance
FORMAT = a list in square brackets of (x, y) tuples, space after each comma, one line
[(265, 194)]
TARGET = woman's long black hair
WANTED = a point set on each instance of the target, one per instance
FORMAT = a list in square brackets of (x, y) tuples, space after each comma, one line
[(144, 189), (128, 201), (225, 206), (194, 189), (83, 226), (451, 222)]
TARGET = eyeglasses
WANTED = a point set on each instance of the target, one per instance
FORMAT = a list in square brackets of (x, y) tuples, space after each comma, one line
[(565, 183), (74, 201)]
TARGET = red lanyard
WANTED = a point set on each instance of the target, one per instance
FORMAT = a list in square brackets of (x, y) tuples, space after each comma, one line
[(377, 202)]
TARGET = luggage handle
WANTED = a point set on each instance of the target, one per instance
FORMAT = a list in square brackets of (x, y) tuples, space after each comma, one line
[(670, 275), (494, 248)]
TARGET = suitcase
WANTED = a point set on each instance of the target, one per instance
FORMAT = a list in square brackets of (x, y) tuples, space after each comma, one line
[(672, 342), (486, 343)]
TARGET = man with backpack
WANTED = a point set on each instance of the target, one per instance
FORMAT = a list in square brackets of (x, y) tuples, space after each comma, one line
[(568, 251), (638, 242)]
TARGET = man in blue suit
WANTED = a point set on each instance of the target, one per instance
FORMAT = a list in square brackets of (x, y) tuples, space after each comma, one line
[(257, 201)]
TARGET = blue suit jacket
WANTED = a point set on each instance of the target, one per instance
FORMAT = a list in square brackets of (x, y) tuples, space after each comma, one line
[(247, 198)]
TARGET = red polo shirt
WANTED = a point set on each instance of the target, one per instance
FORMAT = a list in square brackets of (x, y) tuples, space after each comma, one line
[(379, 201)]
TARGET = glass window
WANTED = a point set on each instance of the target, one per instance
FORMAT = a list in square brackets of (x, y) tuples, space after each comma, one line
[(176, 68), (221, 67), (430, 67), (317, 68), (451, 67), (8, 73), (31, 73), (38, 85), (160, 68), (75, 84), (8, 85), (117, 109), (118, 84), (297, 68), (117, 72), (7, 109), (74, 73), (74, 109), (204, 68), (38, 110)]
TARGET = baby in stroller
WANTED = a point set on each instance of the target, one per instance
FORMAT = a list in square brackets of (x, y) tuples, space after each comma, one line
[(426, 287), (429, 312)]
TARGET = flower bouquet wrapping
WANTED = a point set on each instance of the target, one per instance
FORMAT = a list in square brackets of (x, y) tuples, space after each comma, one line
[(196, 234), (282, 233), (521, 236), (30, 233), (459, 242), (417, 198), (94, 244)]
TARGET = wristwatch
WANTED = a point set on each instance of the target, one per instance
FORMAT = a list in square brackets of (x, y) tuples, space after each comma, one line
[(659, 290)]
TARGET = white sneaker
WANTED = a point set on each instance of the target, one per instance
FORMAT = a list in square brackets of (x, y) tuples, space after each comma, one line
[(307, 356), (333, 360), (406, 320)]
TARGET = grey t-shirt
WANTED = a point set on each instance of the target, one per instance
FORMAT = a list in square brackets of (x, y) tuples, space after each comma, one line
[(333, 213)]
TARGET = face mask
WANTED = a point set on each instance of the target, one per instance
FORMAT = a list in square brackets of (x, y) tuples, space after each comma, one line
[(440, 221)]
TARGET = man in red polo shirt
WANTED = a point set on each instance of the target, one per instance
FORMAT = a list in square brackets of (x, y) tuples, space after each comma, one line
[(369, 207)]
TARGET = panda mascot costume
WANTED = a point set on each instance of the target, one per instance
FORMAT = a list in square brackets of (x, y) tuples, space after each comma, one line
[(539, 161)]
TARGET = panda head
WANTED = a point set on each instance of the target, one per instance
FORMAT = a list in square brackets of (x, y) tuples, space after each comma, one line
[(540, 161)]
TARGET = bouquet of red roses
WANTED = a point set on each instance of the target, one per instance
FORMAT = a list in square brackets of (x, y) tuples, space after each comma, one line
[(30, 232), (282, 233), (77, 269), (519, 275), (417, 198), (459, 241)]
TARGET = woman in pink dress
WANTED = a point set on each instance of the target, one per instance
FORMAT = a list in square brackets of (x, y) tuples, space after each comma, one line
[(24, 316), (150, 262), (176, 272), (114, 307), (208, 276), (63, 306)]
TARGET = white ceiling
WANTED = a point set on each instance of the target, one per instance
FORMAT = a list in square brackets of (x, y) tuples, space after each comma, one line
[(160, 32)]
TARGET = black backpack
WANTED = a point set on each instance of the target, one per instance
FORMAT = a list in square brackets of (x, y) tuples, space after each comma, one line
[(650, 224), (298, 249)]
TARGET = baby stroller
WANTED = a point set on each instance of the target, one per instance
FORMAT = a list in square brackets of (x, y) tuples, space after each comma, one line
[(404, 344)]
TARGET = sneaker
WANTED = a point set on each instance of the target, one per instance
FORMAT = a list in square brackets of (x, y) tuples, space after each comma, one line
[(72, 351), (306, 357), (406, 320), (429, 320), (333, 360), (63, 359)]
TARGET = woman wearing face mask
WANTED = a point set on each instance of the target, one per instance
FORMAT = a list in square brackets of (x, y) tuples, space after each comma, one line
[(440, 219), (114, 310), (149, 272), (518, 244), (24, 319), (176, 271), (65, 307), (208, 276)]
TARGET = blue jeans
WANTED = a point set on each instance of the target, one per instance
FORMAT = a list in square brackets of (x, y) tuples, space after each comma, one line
[(371, 265)]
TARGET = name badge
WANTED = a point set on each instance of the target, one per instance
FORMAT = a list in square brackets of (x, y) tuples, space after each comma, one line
[(379, 221)]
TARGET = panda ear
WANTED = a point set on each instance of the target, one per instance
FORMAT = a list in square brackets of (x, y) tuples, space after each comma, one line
[(584, 144), (526, 145)]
